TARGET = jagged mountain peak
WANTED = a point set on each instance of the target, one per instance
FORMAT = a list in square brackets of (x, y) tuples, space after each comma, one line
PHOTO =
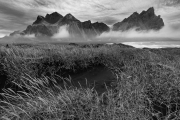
[(39, 19), (53, 17), (150, 12), (135, 14), (89, 21), (50, 18), (53, 14), (68, 19), (146, 20), (69, 16)]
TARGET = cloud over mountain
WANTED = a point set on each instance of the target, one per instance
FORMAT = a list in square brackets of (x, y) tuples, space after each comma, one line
[(17, 14)]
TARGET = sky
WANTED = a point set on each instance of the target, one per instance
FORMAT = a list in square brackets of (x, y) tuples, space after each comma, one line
[(18, 14)]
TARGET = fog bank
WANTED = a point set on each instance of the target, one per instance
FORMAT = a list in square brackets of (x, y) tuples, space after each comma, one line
[(62, 33), (168, 31)]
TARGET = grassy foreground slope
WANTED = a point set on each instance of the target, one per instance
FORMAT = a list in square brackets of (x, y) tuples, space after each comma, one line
[(147, 84)]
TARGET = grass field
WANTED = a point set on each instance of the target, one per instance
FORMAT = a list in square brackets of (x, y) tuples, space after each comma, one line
[(89, 82)]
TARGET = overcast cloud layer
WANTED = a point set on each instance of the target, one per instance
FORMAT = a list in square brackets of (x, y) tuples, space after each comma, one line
[(17, 14)]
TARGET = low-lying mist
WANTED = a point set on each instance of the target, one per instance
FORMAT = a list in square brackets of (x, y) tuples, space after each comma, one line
[(166, 32), (154, 39), (62, 33)]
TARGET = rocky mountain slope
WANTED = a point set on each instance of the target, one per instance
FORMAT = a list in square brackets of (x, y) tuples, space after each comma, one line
[(50, 24), (146, 20)]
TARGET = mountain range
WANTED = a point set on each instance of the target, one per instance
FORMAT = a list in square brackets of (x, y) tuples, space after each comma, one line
[(146, 20), (51, 23)]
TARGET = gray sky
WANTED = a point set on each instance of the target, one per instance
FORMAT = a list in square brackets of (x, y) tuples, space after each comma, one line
[(17, 14)]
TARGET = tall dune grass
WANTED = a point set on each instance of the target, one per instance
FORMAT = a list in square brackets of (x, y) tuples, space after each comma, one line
[(147, 83)]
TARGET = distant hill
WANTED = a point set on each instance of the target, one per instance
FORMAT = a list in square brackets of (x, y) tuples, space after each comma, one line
[(146, 20)]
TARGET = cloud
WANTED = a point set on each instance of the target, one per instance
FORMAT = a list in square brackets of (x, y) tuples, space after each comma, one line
[(169, 2), (62, 33), (30, 36), (10, 10), (14, 16), (169, 31), (4, 32), (17, 14)]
